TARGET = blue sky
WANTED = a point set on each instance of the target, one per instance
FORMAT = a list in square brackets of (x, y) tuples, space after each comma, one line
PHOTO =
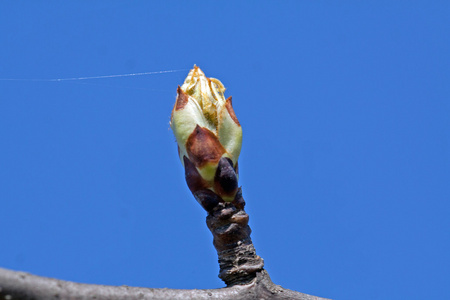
[(345, 165)]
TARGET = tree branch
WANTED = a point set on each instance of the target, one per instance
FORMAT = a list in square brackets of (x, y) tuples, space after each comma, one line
[(24, 286)]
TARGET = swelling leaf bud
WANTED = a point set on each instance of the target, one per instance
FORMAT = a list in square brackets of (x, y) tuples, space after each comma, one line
[(207, 132)]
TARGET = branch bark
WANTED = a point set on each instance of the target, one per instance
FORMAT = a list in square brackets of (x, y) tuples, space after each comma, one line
[(24, 286)]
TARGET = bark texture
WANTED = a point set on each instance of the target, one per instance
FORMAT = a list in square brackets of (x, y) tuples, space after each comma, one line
[(238, 261), (24, 286)]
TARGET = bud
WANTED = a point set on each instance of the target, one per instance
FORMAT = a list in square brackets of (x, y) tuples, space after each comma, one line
[(208, 134)]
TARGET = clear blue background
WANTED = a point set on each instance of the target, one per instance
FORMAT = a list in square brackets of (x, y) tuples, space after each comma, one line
[(345, 167)]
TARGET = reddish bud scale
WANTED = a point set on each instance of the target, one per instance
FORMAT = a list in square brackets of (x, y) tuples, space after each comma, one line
[(203, 147), (194, 180), (230, 110), (225, 180)]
